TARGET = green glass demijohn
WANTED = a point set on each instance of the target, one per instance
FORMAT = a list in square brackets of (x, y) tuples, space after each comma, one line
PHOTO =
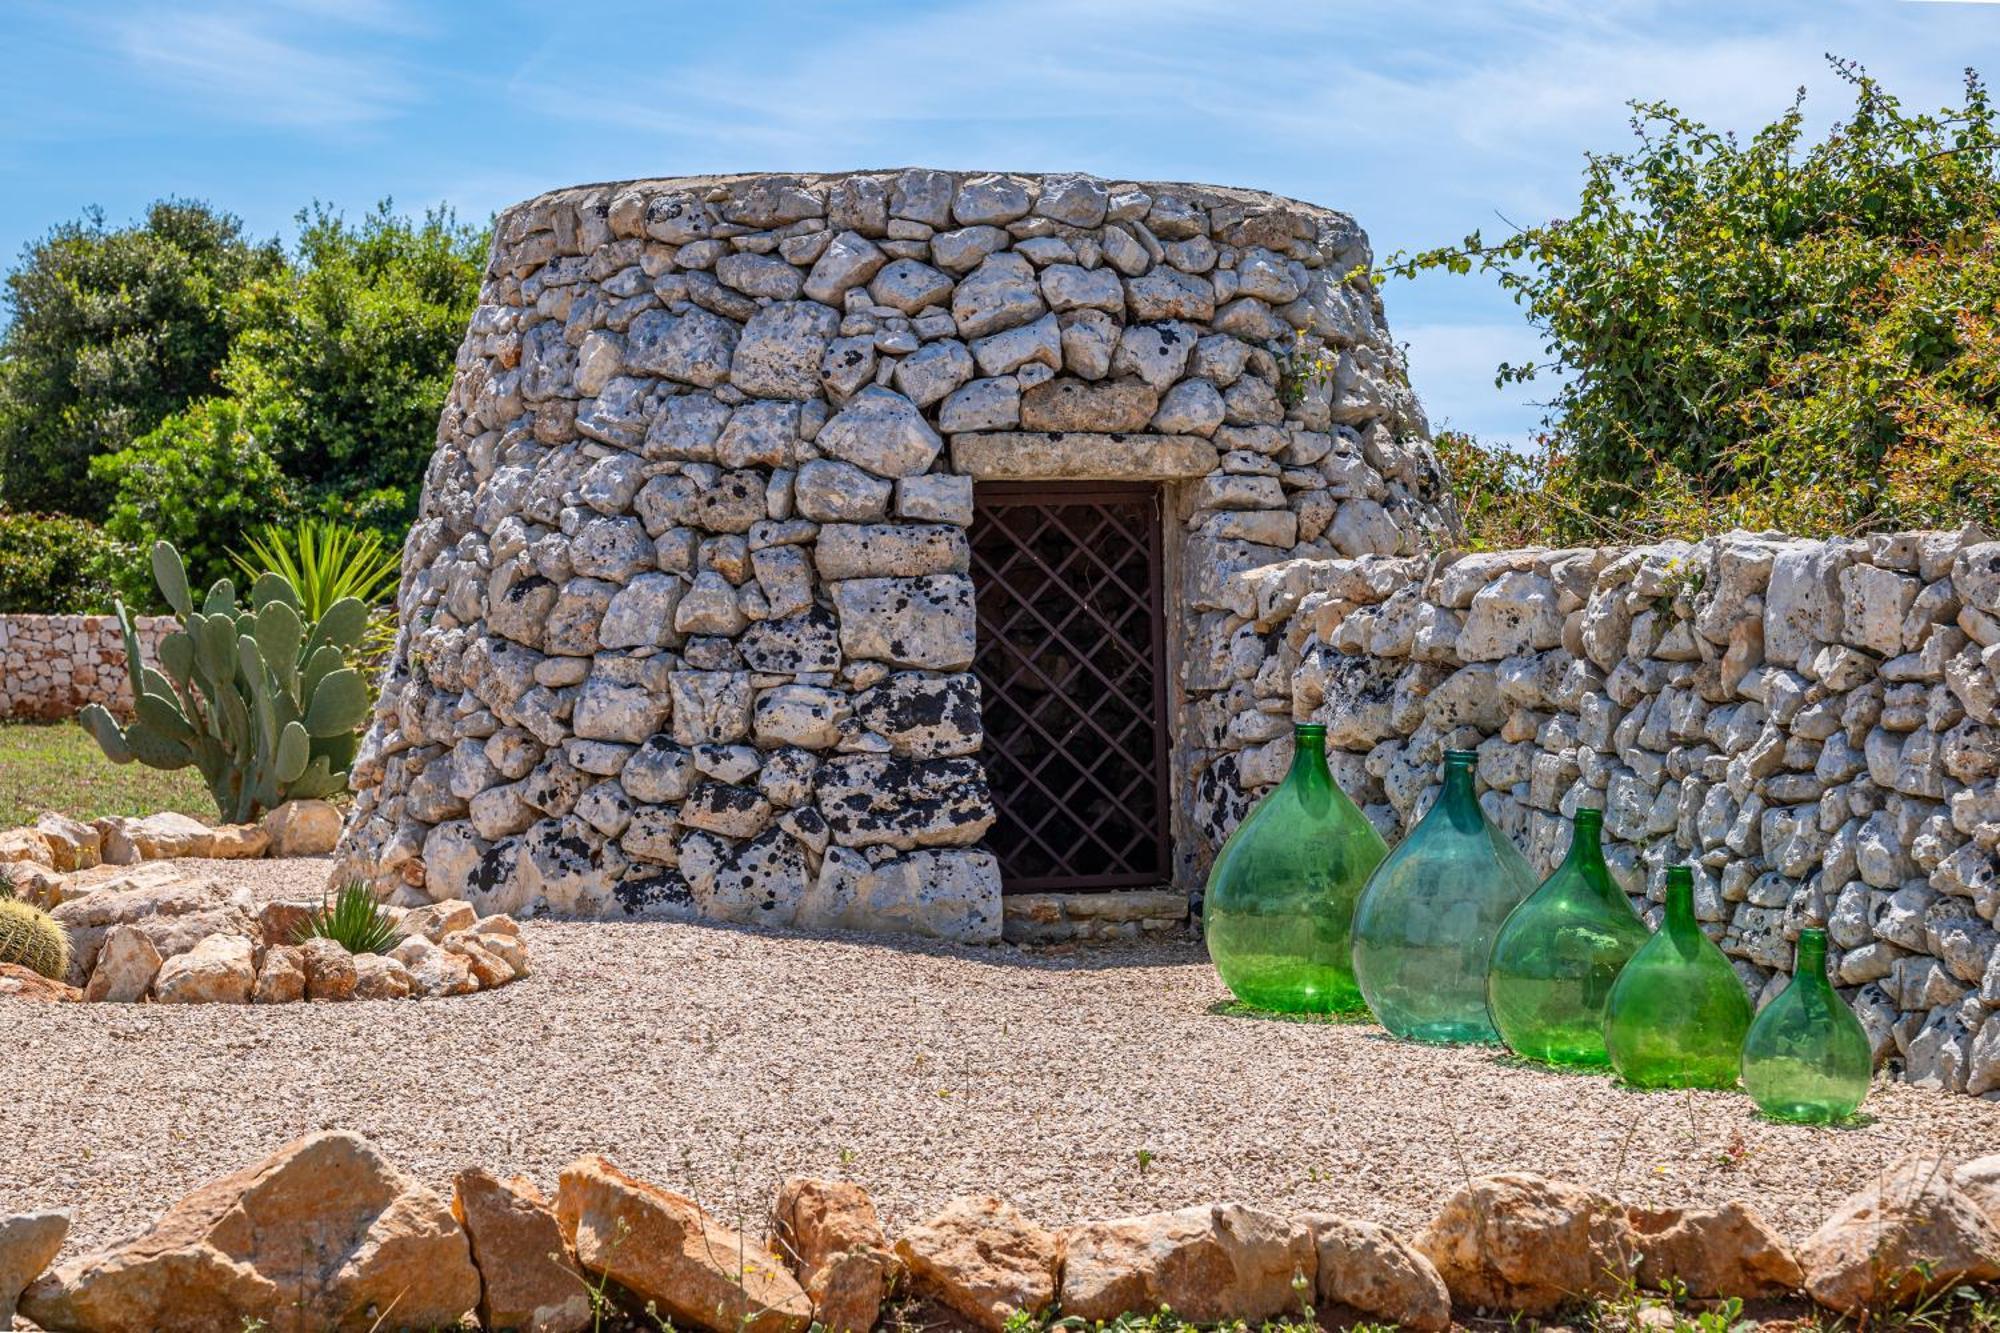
[(1559, 953), (1280, 899), (1678, 1011), (1806, 1057), (1427, 920)]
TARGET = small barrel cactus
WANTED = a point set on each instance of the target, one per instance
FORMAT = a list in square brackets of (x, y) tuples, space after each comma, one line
[(34, 939)]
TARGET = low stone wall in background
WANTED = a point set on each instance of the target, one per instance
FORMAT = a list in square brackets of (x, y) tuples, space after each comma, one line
[(1810, 724), (51, 666)]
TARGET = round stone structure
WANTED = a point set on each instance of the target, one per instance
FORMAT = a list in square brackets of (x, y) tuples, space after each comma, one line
[(689, 617)]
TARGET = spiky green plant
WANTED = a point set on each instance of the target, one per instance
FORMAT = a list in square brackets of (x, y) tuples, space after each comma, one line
[(6, 881), (325, 562), (34, 939), (354, 920), (262, 701)]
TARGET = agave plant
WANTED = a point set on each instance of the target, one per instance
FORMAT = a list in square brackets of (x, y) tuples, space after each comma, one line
[(354, 920), (327, 562)]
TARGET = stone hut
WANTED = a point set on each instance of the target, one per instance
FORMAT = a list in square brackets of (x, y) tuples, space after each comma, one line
[(845, 552)]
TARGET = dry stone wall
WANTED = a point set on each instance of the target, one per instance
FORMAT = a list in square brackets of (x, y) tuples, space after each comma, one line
[(1814, 725), (687, 619), (51, 666)]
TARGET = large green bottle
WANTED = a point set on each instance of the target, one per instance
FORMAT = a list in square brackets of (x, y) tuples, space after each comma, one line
[(1806, 1057), (1678, 1012), (1280, 898), (1558, 954), (1427, 920)]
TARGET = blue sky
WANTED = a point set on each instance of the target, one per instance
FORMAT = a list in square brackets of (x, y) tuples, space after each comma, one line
[(1424, 120)]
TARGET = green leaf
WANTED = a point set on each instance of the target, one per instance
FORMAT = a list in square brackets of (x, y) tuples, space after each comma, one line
[(171, 575), (221, 598), (272, 588), (339, 705), (279, 635), (162, 717), (104, 729), (343, 624), (177, 656), (294, 752)]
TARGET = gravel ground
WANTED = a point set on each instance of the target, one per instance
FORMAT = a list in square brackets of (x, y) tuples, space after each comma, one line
[(1084, 1083)]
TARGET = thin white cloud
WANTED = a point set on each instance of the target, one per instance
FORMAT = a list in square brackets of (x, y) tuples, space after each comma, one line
[(243, 66)]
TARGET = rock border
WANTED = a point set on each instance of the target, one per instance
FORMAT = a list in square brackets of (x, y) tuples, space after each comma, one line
[(1508, 1244)]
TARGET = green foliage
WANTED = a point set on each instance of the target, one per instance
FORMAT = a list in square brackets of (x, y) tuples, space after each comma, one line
[(260, 701), (354, 920), (1766, 331), (33, 939), (327, 562), (52, 564), (180, 384), (110, 330), (201, 482), (345, 358)]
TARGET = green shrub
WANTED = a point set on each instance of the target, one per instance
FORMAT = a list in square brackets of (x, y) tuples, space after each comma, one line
[(344, 359), (201, 482), (354, 920), (1768, 331), (52, 564), (106, 332)]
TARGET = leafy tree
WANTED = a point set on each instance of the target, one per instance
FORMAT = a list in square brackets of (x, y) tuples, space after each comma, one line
[(111, 330), (345, 358), (1767, 330), (201, 480)]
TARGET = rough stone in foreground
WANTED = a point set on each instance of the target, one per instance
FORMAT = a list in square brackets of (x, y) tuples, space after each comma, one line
[(828, 1232), (1517, 1241), (1713, 1252), (28, 1241), (174, 912), (323, 1235), (527, 1281), (983, 1259), (219, 970), (1868, 1251), (663, 1248), (1371, 1269), (1207, 1263)]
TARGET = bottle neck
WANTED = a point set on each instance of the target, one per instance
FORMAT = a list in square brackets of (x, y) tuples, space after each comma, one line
[(1810, 961), (1680, 904), (1586, 843), (1459, 801), (1309, 770)]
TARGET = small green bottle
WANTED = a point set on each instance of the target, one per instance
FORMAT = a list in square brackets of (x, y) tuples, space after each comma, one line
[(1427, 920), (1280, 898), (1678, 1012), (1806, 1057), (1559, 953)]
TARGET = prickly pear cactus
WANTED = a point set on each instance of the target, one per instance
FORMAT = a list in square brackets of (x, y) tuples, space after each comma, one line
[(34, 939), (262, 703)]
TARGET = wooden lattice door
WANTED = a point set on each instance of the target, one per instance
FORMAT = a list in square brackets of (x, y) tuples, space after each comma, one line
[(1072, 676)]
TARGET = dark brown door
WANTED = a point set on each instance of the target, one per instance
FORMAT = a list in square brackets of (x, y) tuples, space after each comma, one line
[(1072, 677)]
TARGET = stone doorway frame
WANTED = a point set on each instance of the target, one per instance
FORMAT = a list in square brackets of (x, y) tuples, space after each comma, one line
[(1174, 464), (1140, 735)]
